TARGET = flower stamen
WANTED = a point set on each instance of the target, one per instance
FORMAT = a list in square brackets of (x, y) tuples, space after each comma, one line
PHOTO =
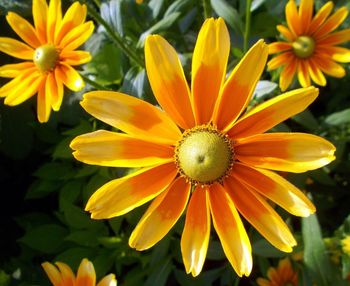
[(46, 57), (304, 47)]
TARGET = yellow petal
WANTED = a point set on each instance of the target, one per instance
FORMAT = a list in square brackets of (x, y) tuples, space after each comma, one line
[(291, 152), (43, 104), (335, 38), (40, 11), (239, 87), (283, 59), (272, 112), (196, 233), (67, 274), (56, 90), (131, 115), (53, 274), (168, 81), (13, 70), (305, 14), (108, 280), (288, 73), (75, 58), (16, 49), (320, 17), (315, 73), (106, 148), (86, 275), (230, 229), (209, 67), (54, 18), (77, 36), (75, 16), (303, 73), (260, 215), (23, 29), (328, 66), (161, 215), (292, 17), (286, 33), (338, 54), (278, 47), (275, 188), (69, 76), (124, 194), (7, 88), (332, 22)]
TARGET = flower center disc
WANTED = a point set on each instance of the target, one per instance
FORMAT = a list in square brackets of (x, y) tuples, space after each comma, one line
[(46, 57), (304, 47), (204, 155)]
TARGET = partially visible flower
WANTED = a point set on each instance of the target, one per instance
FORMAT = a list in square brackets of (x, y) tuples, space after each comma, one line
[(332, 246), (49, 54), (62, 275), (345, 242), (310, 47), (283, 275)]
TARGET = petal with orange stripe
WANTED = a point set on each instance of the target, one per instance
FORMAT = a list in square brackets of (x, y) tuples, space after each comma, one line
[(305, 14), (16, 49), (53, 273), (68, 277), (86, 275), (40, 12), (292, 17), (321, 17), (13, 70)]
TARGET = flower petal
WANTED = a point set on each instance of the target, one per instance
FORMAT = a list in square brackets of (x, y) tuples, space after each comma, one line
[(124, 194), (54, 18), (278, 47), (13, 70), (161, 215), (272, 112), (56, 91), (69, 76), (239, 87), (303, 73), (230, 229), (108, 280), (131, 115), (75, 58), (292, 17), (321, 16), (106, 148), (332, 22), (16, 49), (23, 29), (275, 188), (86, 275), (305, 14), (283, 59), (168, 80), (7, 88), (316, 74), (67, 274), (288, 73), (291, 152), (338, 54), (196, 233), (286, 33), (75, 16), (40, 11), (209, 67), (43, 103), (328, 66), (335, 38), (260, 215), (77, 36), (53, 273)]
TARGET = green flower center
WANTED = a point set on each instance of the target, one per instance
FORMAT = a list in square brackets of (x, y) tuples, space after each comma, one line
[(304, 47), (204, 155), (46, 57)]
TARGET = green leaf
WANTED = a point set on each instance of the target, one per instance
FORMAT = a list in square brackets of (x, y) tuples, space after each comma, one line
[(159, 273), (263, 248), (19, 6), (230, 14), (70, 192), (111, 13), (54, 171), (74, 256), (338, 118), (177, 6), (155, 6), (306, 119), (83, 238), (45, 238)]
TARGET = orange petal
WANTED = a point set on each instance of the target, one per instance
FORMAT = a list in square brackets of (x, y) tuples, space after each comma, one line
[(43, 103), (168, 81), (293, 19), (196, 233), (161, 215), (108, 280), (335, 38), (23, 29), (332, 22), (305, 14), (77, 36), (338, 54), (7, 88), (278, 47), (75, 16), (53, 273), (330, 67), (14, 70), (54, 18), (16, 49), (291, 152), (209, 67), (40, 11), (303, 73), (56, 92), (106, 148), (286, 33), (86, 275), (288, 73), (283, 59), (272, 112), (230, 229), (238, 89), (75, 58), (315, 73), (69, 76), (131, 115), (260, 215), (67, 274), (124, 194), (275, 188), (320, 17)]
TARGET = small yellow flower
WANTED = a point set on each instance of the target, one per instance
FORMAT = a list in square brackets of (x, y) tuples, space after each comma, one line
[(62, 275), (202, 152), (345, 242), (310, 47), (49, 54), (283, 275)]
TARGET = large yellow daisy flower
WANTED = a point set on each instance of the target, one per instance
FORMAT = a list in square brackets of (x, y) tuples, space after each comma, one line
[(62, 275), (310, 47), (202, 152), (49, 54)]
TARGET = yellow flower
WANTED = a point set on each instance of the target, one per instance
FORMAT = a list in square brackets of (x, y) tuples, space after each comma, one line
[(201, 150), (283, 275), (49, 54), (62, 275), (310, 47), (346, 245)]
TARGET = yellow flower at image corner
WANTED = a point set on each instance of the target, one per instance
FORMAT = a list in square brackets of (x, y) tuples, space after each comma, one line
[(62, 275), (48, 52), (310, 49), (201, 152), (345, 243), (282, 275)]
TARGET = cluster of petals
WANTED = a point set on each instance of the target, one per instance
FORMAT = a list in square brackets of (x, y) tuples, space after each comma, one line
[(61, 274), (56, 35), (320, 29), (149, 136)]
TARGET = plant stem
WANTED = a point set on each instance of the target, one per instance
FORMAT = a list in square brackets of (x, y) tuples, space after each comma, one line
[(93, 83), (247, 26), (115, 37), (206, 8)]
